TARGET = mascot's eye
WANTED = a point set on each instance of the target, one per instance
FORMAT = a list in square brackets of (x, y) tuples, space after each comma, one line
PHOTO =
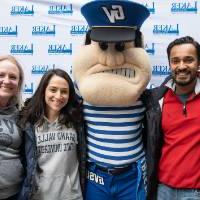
[(120, 46), (103, 45)]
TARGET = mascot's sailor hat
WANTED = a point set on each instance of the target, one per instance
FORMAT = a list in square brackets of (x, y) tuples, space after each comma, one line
[(114, 20)]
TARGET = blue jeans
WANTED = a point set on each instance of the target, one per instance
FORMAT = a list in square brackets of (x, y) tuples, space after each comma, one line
[(169, 193), (129, 185)]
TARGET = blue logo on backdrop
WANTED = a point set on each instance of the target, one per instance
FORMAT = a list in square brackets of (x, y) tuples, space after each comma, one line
[(151, 7), (28, 89), (150, 48), (22, 10), (166, 29), (21, 49), (44, 30), (60, 49), (79, 29), (161, 70), (184, 7), (41, 69), (8, 30), (60, 9)]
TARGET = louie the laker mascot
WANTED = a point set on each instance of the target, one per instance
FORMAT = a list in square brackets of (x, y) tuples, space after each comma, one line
[(111, 72)]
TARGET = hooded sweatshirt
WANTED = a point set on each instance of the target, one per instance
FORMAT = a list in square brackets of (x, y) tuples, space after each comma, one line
[(11, 169), (57, 176)]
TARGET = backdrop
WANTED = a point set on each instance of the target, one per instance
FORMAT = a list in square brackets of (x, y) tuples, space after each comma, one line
[(44, 34)]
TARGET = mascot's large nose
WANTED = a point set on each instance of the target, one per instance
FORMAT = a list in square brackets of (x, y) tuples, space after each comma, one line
[(111, 56)]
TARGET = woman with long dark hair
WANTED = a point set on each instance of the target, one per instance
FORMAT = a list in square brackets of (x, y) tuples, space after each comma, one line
[(54, 141)]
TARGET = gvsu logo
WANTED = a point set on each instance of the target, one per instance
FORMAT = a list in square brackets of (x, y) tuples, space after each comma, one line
[(150, 7), (166, 29), (161, 70), (150, 48), (8, 31), (44, 30), (60, 9), (22, 10), (79, 29), (115, 13), (21, 49), (28, 88), (184, 7), (60, 49), (41, 69)]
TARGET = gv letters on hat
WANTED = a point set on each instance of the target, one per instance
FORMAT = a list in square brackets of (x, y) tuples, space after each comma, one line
[(114, 20)]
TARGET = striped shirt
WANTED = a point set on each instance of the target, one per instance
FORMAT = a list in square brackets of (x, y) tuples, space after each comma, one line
[(114, 134)]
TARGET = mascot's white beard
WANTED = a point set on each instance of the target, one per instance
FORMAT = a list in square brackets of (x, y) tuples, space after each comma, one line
[(111, 78)]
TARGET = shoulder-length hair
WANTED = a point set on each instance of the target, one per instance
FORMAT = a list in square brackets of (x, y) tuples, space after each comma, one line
[(13, 60), (34, 109)]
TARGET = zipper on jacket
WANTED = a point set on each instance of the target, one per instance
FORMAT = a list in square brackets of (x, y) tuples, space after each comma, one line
[(184, 109)]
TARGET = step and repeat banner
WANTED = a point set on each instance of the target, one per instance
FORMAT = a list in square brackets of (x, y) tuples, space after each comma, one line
[(45, 34)]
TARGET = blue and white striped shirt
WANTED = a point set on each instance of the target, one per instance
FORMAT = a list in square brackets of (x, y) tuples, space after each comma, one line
[(114, 134)]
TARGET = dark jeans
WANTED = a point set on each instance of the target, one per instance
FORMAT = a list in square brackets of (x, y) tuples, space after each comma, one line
[(11, 198)]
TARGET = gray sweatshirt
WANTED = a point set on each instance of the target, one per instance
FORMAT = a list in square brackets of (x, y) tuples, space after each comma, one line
[(57, 177), (11, 169)]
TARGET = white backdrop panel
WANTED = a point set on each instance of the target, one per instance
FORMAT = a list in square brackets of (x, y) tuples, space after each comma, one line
[(44, 34)]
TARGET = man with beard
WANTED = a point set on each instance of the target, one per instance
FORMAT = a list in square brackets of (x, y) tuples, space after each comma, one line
[(173, 127)]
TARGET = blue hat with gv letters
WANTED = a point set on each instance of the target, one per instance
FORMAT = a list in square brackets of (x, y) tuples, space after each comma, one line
[(114, 20)]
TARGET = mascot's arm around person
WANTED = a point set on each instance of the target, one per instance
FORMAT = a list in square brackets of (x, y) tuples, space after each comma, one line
[(111, 72)]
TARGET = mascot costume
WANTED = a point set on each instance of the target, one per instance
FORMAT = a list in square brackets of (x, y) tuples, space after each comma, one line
[(111, 71)]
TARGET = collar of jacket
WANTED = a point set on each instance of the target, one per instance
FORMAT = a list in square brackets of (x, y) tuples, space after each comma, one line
[(170, 84), (29, 131)]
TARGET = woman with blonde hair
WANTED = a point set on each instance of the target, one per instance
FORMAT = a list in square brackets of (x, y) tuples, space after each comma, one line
[(11, 169)]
